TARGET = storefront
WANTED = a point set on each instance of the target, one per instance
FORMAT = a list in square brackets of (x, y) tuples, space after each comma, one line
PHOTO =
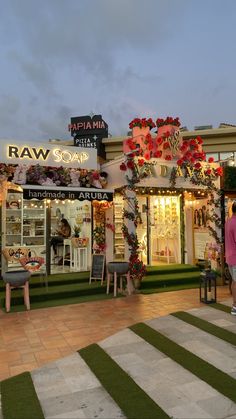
[(41, 184), (172, 205)]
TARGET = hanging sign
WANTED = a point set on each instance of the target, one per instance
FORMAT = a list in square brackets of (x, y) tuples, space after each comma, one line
[(62, 194), (88, 131)]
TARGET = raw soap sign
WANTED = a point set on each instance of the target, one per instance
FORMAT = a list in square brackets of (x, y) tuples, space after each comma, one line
[(88, 131), (98, 265), (48, 155)]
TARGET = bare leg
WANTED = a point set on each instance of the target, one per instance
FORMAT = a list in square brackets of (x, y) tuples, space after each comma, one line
[(233, 289)]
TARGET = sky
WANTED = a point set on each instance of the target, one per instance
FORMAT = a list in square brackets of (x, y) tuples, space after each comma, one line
[(118, 58)]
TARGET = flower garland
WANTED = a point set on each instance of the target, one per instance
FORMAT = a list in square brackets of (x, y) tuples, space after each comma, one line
[(99, 232), (48, 175)]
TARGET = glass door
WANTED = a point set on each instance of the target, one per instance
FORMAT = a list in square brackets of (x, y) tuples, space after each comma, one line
[(164, 230)]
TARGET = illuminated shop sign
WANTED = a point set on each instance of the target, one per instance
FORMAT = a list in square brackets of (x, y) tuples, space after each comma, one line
[(49, 155), (88, 131), (81, 195)]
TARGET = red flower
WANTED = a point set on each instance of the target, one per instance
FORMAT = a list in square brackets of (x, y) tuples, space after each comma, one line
[(211, 159), (168, 121), (123, 167), (168, 157), (141, 123), (159, 141), (193, 142), (158, 153), (130, 142), (130, 164), (180, 162), (166, 145), (166, 134), (219, 171), (208, 172), (199, 140), (192, 160), (147, 155), (187, 155), (197, 166), (141, 162)]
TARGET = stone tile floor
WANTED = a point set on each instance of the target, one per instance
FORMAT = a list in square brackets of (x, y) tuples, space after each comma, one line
[(68, 389), (29, 340)]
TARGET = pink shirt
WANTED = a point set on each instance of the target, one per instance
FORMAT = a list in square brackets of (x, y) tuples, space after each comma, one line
[(230, 241)]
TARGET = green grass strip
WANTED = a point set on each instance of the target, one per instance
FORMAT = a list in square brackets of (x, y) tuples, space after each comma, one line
[(221, 307), (208, 327), (131, 399), (19, 398), (217, 379)]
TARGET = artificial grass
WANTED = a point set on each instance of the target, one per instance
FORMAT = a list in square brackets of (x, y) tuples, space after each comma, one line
[(62, 301), (131, 399), (169, 288), (19, 398), (221, 307), (74, 287), (217, 379), (171, 268), (217, 331)]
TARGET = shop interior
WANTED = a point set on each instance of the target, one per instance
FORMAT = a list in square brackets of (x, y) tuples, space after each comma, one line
[(25, 224)]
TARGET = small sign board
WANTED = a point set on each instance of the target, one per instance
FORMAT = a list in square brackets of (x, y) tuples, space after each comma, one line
[(97, 268)]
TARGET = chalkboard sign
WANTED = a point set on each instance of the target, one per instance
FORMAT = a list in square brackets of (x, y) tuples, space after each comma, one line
[(97, 269)]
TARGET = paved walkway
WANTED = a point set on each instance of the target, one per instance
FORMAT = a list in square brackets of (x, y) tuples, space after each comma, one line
[(29, 340), (67, 388)]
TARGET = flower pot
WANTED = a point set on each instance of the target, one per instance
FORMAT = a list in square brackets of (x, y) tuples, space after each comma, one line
[(79, 241), (136, 131), (175, 141), (118, 267), (137, 283), (139, 137), (16, 278)]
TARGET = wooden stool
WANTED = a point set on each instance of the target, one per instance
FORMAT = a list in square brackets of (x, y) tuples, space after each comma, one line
[(109, 277), (17, 279)]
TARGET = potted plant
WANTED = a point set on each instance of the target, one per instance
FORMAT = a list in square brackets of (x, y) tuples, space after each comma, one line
[(77, 230), (75, 237)]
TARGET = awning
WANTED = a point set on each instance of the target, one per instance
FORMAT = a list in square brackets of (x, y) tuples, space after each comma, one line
[(62, 193)]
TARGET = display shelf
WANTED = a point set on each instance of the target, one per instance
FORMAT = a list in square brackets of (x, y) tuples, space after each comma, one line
[(24, 222)]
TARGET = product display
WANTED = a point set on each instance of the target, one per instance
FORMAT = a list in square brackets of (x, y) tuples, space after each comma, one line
[(119, 250), (164, 219)]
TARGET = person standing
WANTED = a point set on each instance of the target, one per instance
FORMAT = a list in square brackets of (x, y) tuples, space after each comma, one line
[(230, 252)]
